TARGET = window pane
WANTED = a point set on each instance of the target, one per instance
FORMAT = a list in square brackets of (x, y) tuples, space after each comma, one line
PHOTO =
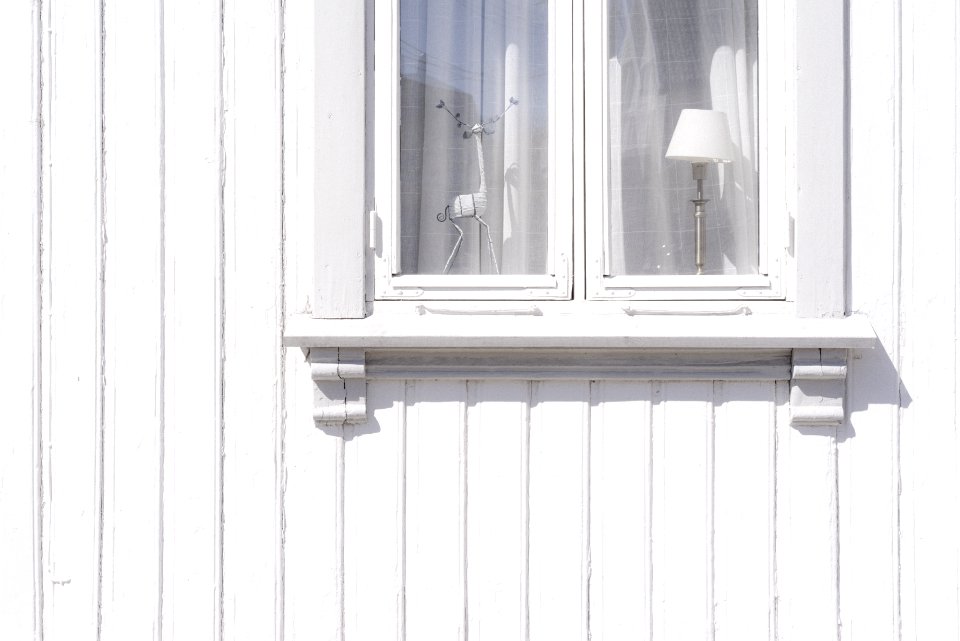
[(464, 163), (664, 56)]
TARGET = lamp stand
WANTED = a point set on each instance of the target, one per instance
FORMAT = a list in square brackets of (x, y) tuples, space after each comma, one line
[(699, 214)]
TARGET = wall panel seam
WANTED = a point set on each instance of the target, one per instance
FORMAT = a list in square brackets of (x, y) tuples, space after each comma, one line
[(402, 514), (340, 623), (835, 515), (956, 260), (162, 277), (221, 347), (40, 71), (648, 511), (525, 514), (656, 510), (710, 489), (281, 364), (898, 314), (45, 259), (779, 393), (586, 514), (465, 421), (101, 316)]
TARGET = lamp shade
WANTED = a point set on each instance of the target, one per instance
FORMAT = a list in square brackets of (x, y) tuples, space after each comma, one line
[(702, 135)]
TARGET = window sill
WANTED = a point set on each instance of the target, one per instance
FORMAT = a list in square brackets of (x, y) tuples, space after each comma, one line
[(538, 326), (545, 341)]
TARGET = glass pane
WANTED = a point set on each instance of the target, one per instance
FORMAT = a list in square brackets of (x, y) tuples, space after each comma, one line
[(474, 144), (664, 56)]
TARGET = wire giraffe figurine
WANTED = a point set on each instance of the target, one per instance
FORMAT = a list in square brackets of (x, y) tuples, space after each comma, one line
[(472, 205)]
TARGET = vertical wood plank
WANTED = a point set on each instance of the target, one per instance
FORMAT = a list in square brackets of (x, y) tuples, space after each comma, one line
[(20, 316), (253, 310), (133, 106), (559, 418), (930, 518), (193, 314), (434, 605), (340, 160), (72, 334), (681, 527), (311, 607), (868, 447), (373, 580), (494, 513), (620, 597), (299, 141), (311, 601), (821, 160), (807, 542), (743, 510)]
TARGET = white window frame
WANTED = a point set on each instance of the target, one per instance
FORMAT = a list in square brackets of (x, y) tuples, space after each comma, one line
[(773, 232), (344, 327), (589, 217), (556, 283), (814, 201)]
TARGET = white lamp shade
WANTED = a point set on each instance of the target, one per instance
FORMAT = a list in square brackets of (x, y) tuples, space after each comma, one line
[(702, 135)]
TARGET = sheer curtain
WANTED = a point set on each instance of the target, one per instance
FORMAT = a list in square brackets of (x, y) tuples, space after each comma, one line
[(664, 56), (474, 56)]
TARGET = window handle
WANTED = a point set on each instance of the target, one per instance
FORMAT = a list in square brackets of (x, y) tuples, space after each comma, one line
[(532, 310), (742, 310)]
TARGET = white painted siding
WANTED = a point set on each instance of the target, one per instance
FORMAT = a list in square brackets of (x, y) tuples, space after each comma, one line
[(562, 509), (160, 473)]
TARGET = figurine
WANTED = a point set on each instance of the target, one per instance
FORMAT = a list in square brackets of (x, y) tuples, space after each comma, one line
[(472, 205)]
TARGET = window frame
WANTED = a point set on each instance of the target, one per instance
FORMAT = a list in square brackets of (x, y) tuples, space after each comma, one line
[(773, 258), (340, 327), (816, 206), (389, 284), (587, 80)]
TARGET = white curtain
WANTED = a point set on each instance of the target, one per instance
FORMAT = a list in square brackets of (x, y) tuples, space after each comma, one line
[(664, 56), (474, 56)]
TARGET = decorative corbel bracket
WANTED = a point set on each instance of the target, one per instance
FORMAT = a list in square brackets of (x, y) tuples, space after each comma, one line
[(340, 385), (817, 387)]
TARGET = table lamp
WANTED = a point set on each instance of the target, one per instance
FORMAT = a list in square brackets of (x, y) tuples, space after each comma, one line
[(702, 136)]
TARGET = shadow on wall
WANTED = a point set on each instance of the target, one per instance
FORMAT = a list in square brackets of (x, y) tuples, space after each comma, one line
[(873, 379), (576, 395), (349, 432)]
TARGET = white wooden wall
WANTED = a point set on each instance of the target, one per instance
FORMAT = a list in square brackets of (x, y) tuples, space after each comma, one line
[(160, 474), (563, 510), (899, 459)]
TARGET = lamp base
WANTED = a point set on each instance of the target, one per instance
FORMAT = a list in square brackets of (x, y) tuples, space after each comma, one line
[(700, 230), (699, 214)]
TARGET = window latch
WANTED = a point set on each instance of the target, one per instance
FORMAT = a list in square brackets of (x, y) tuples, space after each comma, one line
[(373, 233)]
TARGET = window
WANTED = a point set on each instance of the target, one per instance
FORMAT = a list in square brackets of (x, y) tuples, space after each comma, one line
[(475, 188), (510, 167), (587, 252), (801, 202), (646, 61)]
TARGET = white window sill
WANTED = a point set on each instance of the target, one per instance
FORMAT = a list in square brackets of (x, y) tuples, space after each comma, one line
[(539, 326), (566, 340)]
